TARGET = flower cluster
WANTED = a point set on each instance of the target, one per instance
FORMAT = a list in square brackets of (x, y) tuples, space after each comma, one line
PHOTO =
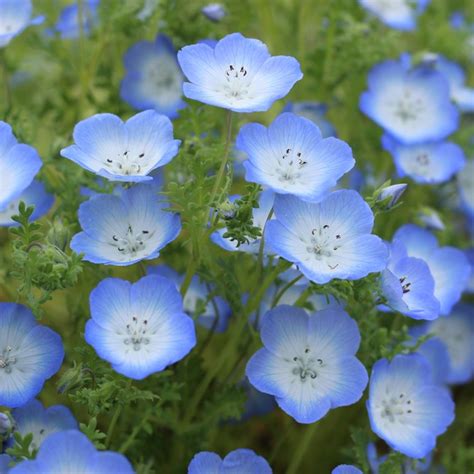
[(215, 295)]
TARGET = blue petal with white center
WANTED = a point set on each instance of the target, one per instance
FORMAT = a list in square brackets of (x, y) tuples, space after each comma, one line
[(397, 14), (308, 361), (259, 215), (119, 151), (139, 328), (314, 111), (122, 230), (237, 74), (29, 355), (408, 285), (427, 163), (153, 78), (346, 469), (411, 104), (406, 408), (15, 16), (330, 239), (238, 461), (19, 164), (456, 332), (291, 157), (41, 422), (34, 195), (448, 266), (71, 451), (69, 26)]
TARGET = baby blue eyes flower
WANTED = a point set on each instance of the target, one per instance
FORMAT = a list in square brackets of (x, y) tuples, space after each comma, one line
[(71, 451), (456, 332), (122, 230), (406, 409), (448, 266), (314, 111), (153, 78), (308, 361), (19, 164), (426, 163), (29, 355), (42, 422), (139, 328), (346, 469), (214, 11), (15, 16), (120, 151), (465, 181), (330, 239), (34, 195), (408, 285), (69, 25), (397, 14), (237, 74), (411, 104), (291, 157), (238, 461)]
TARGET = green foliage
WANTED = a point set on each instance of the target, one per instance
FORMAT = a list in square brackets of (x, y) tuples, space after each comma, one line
[(22, 447)]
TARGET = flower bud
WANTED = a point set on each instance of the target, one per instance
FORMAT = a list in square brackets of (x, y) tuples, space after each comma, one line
[(214, 11), (392, 194), (5, 424), (59, 234)]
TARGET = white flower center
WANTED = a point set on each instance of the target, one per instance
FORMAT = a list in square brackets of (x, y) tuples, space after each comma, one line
[(127, 164), (305, 367), (136, 334), (395, 409), (132, 242), (408, 107), (290, 166), (323, 243), (7, 360), (237, 82)]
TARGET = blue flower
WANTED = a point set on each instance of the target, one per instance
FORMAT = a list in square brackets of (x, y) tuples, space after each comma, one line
[(5, 424), (29, 355), (314, 111), (68, 24), (408, 285), (139, 328), (42, 422), (462, 96), (71, 451), (120, 151), (238, 74), (15, 16), (397, 14), (5, 460), (406, 409), (465, 181), (34, 195), (214, 11), (346, 469), (430, 219), (456, 332), (448, 266), (259, 215), (199, 301), (470, 257), (240, 460), (411, 104), (153, 79), (291, 157), (330, 239), (19, 164), (426, 163), (308, 362), (122, 230)]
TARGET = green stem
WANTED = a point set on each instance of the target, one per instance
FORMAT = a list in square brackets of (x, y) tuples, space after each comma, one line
[(302, 447), (262, 243), (113, 424), (285, 289), (131, 437)]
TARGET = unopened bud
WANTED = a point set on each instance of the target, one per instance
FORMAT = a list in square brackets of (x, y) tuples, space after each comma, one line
[(392, 194)]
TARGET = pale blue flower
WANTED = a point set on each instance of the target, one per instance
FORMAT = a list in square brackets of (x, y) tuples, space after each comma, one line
[(308, 361), (237, 74), (314, 111), (15, 16), (346, 469), (68, 24), (465, 180)]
